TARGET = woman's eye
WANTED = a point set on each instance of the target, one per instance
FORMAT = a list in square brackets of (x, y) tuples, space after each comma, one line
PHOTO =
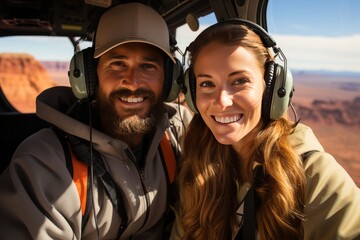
[(206, 84), (240, 81)]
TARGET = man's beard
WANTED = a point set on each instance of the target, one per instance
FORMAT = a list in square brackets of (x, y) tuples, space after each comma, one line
[(133, 124)]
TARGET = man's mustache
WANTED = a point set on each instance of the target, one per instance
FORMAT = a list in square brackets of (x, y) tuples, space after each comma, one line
[(124, 92)]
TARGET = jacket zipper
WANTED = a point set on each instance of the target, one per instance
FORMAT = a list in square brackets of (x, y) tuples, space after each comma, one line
[(147, 198), (142, 178)]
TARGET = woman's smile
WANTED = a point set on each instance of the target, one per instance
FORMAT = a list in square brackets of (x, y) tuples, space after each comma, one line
[(228, 119)]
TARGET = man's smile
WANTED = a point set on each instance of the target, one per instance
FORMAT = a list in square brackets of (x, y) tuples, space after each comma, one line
[(132, 99)]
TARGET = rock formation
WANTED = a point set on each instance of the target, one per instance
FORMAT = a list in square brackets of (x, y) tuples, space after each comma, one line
[(22, 78), (331, 112)]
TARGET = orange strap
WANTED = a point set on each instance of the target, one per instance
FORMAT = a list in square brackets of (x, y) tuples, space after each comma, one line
[(80, 169), (80, 178), (169, 156)]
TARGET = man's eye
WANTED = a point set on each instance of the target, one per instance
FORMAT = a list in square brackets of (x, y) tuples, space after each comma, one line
[(148, 66), (117, 63)]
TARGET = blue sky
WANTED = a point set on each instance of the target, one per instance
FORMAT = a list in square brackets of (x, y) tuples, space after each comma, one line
[(317, 34), (314, 17), (313, 34)]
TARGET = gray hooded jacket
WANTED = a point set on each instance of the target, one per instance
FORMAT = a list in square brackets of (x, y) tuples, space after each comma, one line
[(39, 200)]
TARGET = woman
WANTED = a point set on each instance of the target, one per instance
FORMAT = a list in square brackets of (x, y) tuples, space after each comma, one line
[(248, 172)]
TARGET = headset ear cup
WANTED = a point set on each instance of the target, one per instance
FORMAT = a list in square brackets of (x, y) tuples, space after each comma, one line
[(277, 97), (82, 74), (282, 93), (76, 76), (189, 89), (173, 77)]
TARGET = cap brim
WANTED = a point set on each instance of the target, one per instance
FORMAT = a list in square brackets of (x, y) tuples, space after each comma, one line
[(102, 50)]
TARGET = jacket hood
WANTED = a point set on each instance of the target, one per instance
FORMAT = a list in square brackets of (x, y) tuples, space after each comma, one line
[(53, 104), (304, 140)]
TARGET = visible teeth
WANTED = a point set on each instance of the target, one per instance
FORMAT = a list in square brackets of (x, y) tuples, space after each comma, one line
[(132, 100), (227, 119)]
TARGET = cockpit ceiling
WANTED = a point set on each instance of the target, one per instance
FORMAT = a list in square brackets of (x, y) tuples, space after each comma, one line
[(72, 17)]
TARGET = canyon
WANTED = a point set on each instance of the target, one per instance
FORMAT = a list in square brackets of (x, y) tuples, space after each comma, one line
[(328, 103)]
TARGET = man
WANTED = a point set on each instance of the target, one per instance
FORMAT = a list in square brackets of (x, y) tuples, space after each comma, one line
[(118, 134)]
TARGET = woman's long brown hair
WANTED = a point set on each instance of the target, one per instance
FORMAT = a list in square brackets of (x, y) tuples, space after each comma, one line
[(210, 172)]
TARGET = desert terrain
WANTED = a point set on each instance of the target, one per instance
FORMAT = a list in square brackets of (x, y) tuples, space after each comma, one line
[(328, 102)]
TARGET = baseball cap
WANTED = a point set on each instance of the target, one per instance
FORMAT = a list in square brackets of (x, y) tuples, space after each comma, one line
[(131, 22)]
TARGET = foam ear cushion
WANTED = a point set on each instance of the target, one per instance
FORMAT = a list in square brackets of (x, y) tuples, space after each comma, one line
[(90, 68), (189, 89), (172, 82), (168, 68), (82, 74), (269, 77)]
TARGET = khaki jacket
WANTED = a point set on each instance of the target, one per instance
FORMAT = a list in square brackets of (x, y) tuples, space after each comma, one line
[(332, 200)]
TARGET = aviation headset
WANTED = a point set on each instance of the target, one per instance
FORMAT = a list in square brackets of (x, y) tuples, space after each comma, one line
[(83, 74), (279, 83)]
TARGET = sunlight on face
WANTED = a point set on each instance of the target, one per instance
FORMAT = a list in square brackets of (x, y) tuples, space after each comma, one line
[(131, 78), (229, 89)]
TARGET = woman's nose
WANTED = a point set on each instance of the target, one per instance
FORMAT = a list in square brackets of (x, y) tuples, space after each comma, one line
[(224, 98)]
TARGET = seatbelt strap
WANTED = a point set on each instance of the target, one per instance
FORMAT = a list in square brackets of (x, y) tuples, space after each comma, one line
[(169, 156), (79, 170), (80, 175), (80, 178), (249, 228)]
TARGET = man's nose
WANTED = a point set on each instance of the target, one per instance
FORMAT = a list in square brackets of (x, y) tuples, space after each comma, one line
[(131, 79)]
